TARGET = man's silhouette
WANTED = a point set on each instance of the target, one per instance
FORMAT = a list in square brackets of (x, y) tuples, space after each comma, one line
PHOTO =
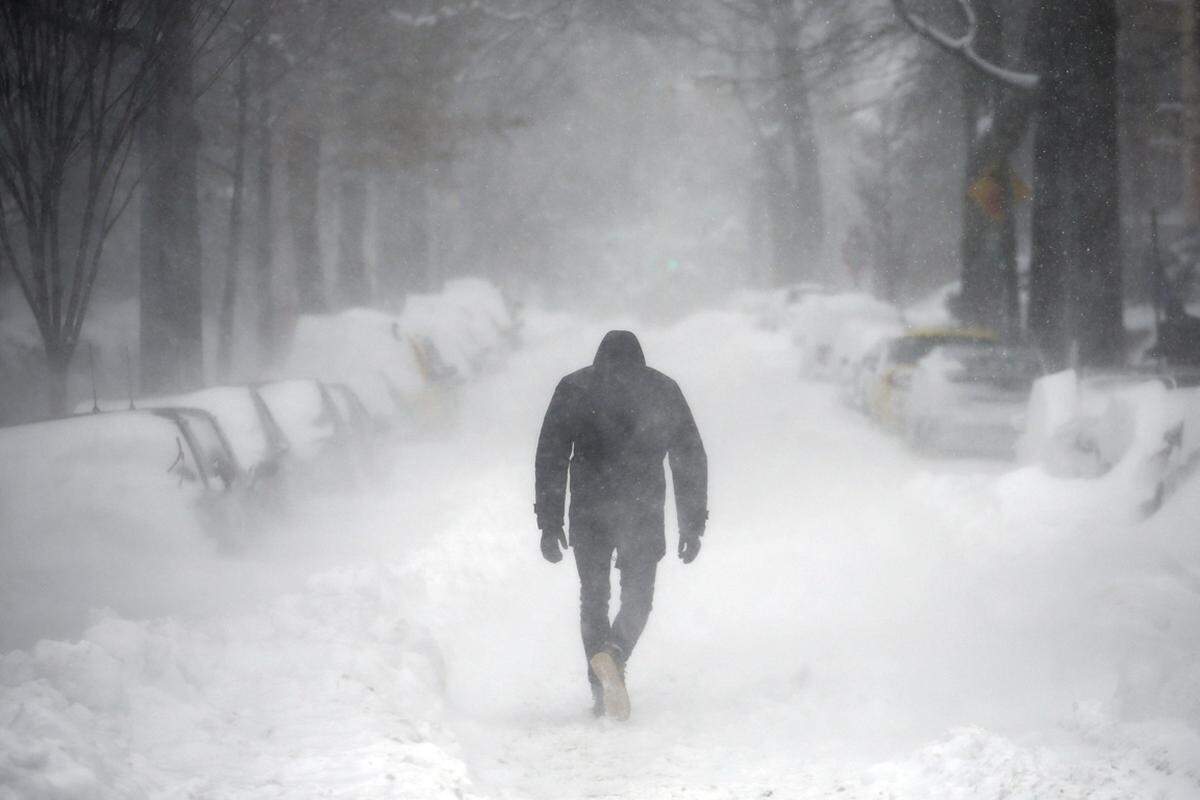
[(610, 426)]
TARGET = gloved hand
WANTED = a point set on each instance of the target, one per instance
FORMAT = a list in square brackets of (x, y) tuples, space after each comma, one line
[(551, 539), (689, 546)]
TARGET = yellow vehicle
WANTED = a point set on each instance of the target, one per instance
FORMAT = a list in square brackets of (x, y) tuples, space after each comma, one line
[(887, 390)]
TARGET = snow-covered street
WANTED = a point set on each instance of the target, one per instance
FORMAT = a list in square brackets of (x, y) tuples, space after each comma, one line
[(861, 623)]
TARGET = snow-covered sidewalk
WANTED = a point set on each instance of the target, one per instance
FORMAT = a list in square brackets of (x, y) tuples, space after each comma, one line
[(860, 624)]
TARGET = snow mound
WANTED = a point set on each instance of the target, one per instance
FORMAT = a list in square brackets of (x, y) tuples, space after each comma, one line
[(362, 348), (975, 763), (328, 688), (818, 324), (933, 310), (386, 358), (82, 496), (467, 322), (1135, 437)]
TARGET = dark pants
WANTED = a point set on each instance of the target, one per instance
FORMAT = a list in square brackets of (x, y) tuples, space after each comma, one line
[(593, 558)]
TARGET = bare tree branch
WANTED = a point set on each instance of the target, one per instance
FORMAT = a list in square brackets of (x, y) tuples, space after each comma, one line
[(964, 46)]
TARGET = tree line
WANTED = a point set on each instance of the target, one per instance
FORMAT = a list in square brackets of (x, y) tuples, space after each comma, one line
[(247, 161)]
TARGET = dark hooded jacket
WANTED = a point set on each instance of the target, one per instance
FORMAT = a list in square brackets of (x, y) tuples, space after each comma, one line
[(610, 426)]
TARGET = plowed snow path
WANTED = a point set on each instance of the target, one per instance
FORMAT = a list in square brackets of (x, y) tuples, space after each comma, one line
[(840, 628)]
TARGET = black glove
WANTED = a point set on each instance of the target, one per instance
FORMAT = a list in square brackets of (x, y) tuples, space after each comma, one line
[(551, 539), (689, 546)]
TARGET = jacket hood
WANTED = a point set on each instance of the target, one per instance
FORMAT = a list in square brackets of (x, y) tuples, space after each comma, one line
[(619, 349)]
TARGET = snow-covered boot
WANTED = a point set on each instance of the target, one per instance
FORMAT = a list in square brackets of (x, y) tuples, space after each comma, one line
[(597, 700), (612, 682)]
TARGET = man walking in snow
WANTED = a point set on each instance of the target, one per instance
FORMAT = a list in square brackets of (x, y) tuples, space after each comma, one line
[(610, 426)]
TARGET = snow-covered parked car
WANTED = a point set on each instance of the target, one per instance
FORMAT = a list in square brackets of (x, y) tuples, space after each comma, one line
[(124, 470), (887, 386), (825, 329), (254, 437), (971, 398), (216, 463), (308, 415), (326, 450), (856, 385), (485, 315), (854, 342), (350, 406), (857, 353), (1135, 432), (364, 349)]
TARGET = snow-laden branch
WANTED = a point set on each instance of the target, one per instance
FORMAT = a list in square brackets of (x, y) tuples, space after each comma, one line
[(964, 46)]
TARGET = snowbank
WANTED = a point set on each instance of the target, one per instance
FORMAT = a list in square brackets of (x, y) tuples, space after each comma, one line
[(387, 359), (832, 332), (467, 322), (78, 498), (933, 310), (1135, 437), (332, 688), (362, 348)]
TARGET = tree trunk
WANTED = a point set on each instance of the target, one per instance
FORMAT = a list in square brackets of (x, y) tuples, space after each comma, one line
[(389, 239), (988, 249), (1189, 34), (170, 293), (58, 364), (352, 224), (779, 220), (806, 229), (1075, 291), (264, 224), (415, 260), (233, 255), (303, 164)]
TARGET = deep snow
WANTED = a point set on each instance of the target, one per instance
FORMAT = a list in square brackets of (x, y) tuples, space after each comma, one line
[(860, 623)]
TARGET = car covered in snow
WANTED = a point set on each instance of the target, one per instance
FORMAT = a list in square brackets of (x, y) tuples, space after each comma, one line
[(827, 330), (860, 376), (119, 469), (1135, 430), (971, 398), (888, 382), (362, 426), (308, 415), (215, 462), (254, 437)]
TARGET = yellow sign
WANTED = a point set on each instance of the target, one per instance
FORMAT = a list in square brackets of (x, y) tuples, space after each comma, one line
[(988, 193)]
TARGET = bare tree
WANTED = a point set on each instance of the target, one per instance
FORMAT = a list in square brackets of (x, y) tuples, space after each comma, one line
[(242, 45), (170, 295), (233, 254), (75, 76), (781, 52)]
